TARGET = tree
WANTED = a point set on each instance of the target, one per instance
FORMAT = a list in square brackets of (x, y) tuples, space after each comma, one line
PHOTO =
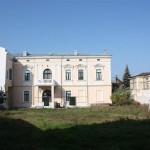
[(2, 97), (126, 77), (121, 96)]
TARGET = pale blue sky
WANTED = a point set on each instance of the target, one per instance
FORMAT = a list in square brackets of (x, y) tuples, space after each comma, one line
[(120, 26)]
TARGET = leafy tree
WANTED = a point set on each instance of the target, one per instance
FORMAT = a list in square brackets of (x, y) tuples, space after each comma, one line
[(126, 77), (121, 96), (2, 97)]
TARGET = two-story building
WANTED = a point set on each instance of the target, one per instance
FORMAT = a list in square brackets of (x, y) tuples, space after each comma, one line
[(41, 80), (140, 87)]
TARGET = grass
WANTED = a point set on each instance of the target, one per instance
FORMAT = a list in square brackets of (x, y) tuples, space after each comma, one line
[(106, 128)]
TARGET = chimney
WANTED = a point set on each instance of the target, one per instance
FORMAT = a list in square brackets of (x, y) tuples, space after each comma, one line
[(25, 53), (75, 52), (105, 52)]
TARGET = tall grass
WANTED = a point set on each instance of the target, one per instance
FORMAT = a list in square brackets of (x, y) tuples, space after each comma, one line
[(106, 128)]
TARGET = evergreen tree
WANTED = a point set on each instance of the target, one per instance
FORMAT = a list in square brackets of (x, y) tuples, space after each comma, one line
[(126, 76)]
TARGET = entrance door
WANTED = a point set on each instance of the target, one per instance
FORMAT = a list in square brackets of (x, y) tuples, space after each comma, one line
[(46, 97)]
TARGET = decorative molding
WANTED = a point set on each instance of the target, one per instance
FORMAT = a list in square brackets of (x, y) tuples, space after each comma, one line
[(68, 66), (81, 66), (99, 66), (28, 67)]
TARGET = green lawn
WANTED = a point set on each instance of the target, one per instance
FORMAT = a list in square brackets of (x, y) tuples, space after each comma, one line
[(105, 128)]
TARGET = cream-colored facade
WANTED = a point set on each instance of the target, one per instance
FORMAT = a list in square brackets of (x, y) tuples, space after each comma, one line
[(46, 79), (140, 87)]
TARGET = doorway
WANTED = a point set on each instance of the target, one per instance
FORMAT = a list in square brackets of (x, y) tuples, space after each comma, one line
[(46, 97)]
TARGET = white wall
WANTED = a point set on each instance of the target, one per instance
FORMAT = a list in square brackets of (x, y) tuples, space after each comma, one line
[(3, 54)]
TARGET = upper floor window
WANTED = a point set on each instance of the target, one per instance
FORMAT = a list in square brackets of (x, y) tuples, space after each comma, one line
[(27, 75), (98, 59), (80, 74), (26, 96), (68, 74), (98, 74), (10, 74), (47, 74), (146, 85), (80, 59), (68, 59), (68, 95), (7, 74)]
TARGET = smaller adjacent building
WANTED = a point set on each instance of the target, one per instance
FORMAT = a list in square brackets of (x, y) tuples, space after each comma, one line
[(6, 69), (140, 87)]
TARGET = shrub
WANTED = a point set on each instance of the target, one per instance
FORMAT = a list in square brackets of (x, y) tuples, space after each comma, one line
[(121, 96), (2, 97)]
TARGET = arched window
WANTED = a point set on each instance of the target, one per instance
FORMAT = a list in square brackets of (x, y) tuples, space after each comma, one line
[(47, 74)]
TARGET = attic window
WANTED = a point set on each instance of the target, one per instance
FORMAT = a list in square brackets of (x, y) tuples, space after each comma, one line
[(80, 59), (47, 59), (98, 59), (27, 60), (68, 59)]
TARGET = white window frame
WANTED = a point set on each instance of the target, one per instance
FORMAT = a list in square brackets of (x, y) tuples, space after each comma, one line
[(66, 95), (27, 75), (24, 96), (97, 74), (82, 74), (66, 76)]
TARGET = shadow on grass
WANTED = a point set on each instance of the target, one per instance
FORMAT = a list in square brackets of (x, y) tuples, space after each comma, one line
[(16, 134)]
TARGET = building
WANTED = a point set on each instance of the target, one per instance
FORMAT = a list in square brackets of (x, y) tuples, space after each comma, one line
[(140, 87), (44, 80)]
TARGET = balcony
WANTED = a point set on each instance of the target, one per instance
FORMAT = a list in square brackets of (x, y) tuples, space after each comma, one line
[(45, 82)]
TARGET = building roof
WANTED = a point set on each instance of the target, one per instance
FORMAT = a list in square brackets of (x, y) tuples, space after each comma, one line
[(58, 54), (142, 74)]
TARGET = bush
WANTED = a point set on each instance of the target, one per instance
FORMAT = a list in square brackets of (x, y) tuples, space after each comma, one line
[(2, 97), (135, 103), (121, 96)]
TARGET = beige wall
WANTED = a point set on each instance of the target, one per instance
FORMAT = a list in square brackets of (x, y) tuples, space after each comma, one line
[(140, 89), (88, 91)]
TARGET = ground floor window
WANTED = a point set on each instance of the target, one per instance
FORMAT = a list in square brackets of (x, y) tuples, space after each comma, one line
[(26, 96), (68, 95)]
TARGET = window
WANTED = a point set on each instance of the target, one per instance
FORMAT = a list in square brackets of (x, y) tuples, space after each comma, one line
[(47, 74), (10, 74), (80, 74), (7, 74), (68, 59), (15, 60), (47, 59), (146, 85), (80, 59), (68, 95), (27, 60), (98, 74), (68, 74), (98, 59), (26, 96), (27, 75)]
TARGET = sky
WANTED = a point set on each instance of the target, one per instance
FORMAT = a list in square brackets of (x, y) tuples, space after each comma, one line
[(122, 27)]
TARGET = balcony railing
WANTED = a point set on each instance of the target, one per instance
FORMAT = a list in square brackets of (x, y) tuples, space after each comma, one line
[(46, 82)]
